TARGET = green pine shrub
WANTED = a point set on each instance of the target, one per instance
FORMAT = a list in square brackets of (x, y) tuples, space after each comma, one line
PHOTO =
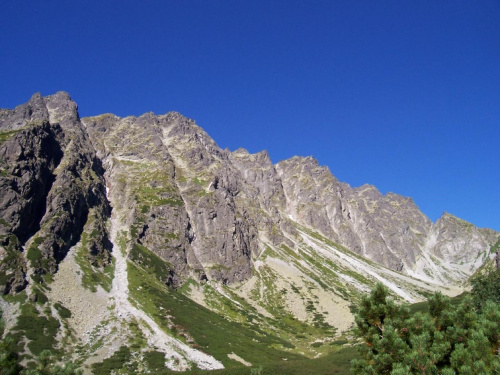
[(447, 339)]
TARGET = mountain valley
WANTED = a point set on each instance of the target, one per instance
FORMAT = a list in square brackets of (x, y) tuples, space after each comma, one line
[(138, 244)]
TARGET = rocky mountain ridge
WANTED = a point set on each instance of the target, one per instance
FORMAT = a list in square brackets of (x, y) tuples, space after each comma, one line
[(51, 183), (104, 199)]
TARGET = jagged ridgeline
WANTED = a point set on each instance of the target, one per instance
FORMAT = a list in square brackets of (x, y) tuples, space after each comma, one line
[(138, 243)]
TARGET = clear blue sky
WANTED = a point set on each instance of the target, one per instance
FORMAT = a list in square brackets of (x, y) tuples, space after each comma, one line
[(401, 94)]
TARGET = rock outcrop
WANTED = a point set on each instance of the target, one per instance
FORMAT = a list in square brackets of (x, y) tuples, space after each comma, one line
[(180, 192), (388, 229), (51, 182)]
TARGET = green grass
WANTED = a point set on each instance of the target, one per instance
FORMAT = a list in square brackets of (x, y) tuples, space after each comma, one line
[(16, 298), (40, 297), (150, 262), (5, 277), (4, 136), (423, 307), (40, 262), (495, 247), (331, 364), (118, 361), (40, 330), (154, 361), (34, 254), (63, 311), (199, 182), (211, 332), (93, 276), (155, 196)]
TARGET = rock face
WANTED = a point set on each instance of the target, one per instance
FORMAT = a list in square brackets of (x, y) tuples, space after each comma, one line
[(275, 253), (51, 182), (387, 229), (208, 213), (181, 194)]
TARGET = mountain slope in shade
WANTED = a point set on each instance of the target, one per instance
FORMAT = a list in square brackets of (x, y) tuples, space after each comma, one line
[(140, 235)]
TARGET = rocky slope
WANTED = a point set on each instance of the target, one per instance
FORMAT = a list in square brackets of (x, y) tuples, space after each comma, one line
[(107, 214)]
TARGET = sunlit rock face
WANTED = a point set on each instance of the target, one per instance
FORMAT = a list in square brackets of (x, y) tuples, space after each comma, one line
[(388, 229)]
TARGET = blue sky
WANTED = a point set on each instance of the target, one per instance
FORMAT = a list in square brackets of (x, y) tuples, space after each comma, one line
[(404, 95)]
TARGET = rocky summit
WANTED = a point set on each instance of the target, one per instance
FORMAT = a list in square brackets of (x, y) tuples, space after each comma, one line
[(139, 240)]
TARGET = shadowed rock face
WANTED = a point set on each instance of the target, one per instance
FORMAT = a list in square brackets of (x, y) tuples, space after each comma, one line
[(50, 181), (207, 212)]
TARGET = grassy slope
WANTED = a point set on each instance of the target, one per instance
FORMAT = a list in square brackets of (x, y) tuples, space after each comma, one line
[(217, 336), (211, 332), (334, 363)]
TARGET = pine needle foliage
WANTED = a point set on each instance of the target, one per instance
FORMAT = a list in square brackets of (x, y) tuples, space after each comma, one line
[(445, 340), (486, 288)]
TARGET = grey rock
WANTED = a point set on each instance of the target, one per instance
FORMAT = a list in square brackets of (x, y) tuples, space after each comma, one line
[(181, 193), (50, 181), (31, 113), (388, 229)]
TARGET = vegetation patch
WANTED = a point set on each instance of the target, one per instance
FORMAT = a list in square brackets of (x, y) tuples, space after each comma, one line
[(93, 276), (42, 264), (495, 247), (197, 181), (63, 311), (172, 236), (223, 305), (331, 364), (40, 297), (210, 332), (154, 361), (156, 196), (5, 136), (12, 262), (34, 254), (40, 330), (5, 277), (448, 339), (150, 262), (117, 363)]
